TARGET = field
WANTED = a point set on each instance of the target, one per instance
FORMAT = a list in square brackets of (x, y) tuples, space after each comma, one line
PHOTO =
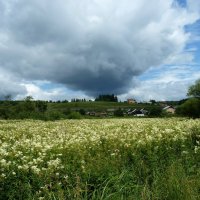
[(115, 159), (95, 106)]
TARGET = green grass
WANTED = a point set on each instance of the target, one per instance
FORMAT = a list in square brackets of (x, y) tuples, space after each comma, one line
[(94, 106), (142, 159)]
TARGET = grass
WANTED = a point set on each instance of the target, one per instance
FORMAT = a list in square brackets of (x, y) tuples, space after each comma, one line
[(142, 159), (94, 106)]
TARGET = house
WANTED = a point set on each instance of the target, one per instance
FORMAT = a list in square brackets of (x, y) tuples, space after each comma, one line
[(97, 114), (137, 112), (141, 113), (101, 114), (169, 109), (131, 112), (131, 101), (145, 112), (91, 113)]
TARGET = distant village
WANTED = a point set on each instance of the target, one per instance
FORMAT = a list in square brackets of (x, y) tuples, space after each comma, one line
[(103, 106), (137, 112)]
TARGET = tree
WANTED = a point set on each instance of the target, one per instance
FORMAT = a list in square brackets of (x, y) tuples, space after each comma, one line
[(153, 102), (28, 98), (28, 105), (107, 97), (155, 111), (41, 106), (119, 112), (194, 90), (190, 108), (82, 111)]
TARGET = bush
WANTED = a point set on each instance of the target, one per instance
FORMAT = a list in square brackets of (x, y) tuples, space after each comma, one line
[(3, 113), (54, 115), (66, 112), (23, 115), (82, 111), (74, 115), (190, 108), (155, 111), (119, 113), (41, 106)]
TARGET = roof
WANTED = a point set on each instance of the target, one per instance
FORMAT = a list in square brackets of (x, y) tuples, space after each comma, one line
[(165, 108)]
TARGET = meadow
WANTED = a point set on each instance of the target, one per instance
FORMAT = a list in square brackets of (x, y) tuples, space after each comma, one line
[(100, 159)]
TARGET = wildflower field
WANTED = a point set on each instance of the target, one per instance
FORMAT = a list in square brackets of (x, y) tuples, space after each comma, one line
[(100, 159)]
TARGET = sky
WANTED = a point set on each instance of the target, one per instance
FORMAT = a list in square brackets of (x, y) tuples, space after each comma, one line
[(64, 49)]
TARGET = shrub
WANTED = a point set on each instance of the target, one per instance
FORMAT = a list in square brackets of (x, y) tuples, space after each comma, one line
[(82, 111), (54, 115), (119, 113), (190, 108), (74, 115), (155, 111)]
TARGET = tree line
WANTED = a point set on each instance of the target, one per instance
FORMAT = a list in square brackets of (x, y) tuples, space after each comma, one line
[(22, 109), (107, 97)]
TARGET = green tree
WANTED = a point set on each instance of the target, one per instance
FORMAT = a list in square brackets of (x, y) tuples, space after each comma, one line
[(153, 102), (190, 108), (28, 98), (119, 112), (74, 115), (25, 108), (194, 90), (41, 106), (4, 113), (82, 111), (155, 111), (107, 97)]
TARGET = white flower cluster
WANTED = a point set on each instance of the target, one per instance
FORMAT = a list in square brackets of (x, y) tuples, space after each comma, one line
[(40, 147)]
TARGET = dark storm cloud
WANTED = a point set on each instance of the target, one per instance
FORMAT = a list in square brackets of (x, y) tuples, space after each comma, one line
[(91, 45)]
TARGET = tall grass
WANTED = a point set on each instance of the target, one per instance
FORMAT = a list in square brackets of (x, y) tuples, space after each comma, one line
[(149, 159)]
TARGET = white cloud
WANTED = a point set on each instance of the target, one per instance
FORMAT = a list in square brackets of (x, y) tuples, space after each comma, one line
[(9, 85), (171, 84), (36, 90), (194, 5)]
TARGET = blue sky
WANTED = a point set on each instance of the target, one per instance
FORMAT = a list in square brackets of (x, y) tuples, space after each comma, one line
[(182, 3), (67, 49), (178, 77)]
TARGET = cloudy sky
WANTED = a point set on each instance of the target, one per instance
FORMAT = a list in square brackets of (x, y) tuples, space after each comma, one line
[(65, 49)]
